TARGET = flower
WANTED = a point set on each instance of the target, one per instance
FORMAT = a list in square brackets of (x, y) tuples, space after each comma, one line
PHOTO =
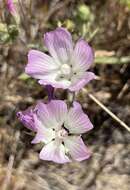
[(11, 7), (27, 118), (67, 65), (60, 129)]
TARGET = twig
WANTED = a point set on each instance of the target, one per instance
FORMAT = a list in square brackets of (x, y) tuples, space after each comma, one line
[(54, 9), (94, 33), (106, 110), (9, 172), (24, 22), (123, 90), (10, 164)]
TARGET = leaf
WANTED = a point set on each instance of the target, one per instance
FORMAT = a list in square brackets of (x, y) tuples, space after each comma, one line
[(24, 77), (112, 60)]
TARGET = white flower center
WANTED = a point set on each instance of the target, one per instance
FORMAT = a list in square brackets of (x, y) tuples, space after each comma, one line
[(62, 133), (65, 69)]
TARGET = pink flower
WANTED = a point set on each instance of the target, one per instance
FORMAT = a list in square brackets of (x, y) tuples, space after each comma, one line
[(13, 10), (60, 129), (27, 118), (11, 7), (66, 67)]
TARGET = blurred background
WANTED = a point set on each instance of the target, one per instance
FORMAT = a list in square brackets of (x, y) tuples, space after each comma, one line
[(105, 24)]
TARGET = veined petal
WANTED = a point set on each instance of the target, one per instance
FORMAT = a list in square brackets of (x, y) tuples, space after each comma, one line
[(43, 134), (54, 151), (39, 64), (80, 82), (77, 121), (76, 148), (45, 116), (59, 44), (46, 135), (48, 78), (52, 114), (58, 109), (64, 83), (83, 55)]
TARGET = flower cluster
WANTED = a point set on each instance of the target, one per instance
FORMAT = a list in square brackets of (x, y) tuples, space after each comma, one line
[(58, 126)]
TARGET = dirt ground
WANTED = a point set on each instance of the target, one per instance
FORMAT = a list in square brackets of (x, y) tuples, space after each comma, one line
[(106, 25)]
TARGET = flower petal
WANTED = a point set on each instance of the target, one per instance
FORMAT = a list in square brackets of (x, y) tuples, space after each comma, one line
[(27, 118), (45, 116), (52, 114), (54, 151), (43, 134), (76, 148), (77, 121), (83, 55), (51, 80), (39, 64), (80, 82), (59, 44), (58, 109)]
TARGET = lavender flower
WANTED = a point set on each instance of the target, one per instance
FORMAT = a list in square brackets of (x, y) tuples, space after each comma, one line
[(67, 65), (11, 7), (27, 118), (60, 129)]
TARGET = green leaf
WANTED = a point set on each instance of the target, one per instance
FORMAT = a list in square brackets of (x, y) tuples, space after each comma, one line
[(112, 60), (24, 77)]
